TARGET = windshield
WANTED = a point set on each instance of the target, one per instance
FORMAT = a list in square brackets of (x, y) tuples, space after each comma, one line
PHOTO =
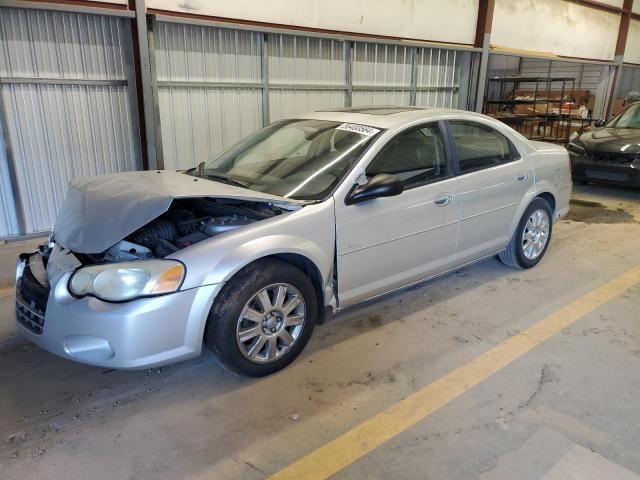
[(299, 159), (630, 118)]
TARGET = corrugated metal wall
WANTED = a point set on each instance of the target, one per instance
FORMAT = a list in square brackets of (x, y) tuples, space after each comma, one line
[(216, 85), (438, 77), (587, 75), (629, 80), (66, 95), (382, 74), (305, 74), (209, 90), (69, 106)]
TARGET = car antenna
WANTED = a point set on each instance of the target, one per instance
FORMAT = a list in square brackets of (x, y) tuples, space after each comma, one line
[(201, 169)]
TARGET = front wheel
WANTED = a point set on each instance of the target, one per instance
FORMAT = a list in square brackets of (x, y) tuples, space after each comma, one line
[(263, 318), (531, 238)]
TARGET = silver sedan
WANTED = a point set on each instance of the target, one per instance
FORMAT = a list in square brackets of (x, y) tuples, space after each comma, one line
[(309, 215)]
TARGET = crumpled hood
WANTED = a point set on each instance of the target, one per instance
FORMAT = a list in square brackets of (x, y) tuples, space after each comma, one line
[(612, 140), (100, 211)]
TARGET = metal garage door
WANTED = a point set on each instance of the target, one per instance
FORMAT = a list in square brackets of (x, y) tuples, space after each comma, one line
[(66, 96)]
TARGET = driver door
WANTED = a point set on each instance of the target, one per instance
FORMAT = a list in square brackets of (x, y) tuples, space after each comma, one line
[(386, 243)]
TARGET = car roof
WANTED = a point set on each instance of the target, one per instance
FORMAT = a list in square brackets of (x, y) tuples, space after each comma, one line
[(385, 116)]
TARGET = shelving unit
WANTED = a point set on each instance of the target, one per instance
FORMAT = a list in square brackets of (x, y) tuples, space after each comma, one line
[(543, 116)]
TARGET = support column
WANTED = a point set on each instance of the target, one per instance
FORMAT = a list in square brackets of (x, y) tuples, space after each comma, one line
[(264, 73), (145, 86), (483, 40), (618, 59)]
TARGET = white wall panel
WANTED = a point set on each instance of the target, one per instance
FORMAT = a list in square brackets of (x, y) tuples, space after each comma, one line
[(59, 133), (632, 50), (59, 127), (450, 21), (42, 44), (437, 99), (381, 64), (288, 103), (199, 123), (437, 68), (199, 120), (305, 60), (557, 26), (380, 97), (201, 54)]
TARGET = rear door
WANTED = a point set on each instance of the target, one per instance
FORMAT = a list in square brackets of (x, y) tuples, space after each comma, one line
[(493, 178), (390, 242)]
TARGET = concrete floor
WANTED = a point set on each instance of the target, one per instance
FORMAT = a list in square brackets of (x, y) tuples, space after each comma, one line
[(567, 409)]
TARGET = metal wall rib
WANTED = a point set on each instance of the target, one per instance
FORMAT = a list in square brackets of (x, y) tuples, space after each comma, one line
[(66, 90)]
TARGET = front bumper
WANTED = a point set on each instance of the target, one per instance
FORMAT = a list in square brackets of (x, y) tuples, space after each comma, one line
[(143, 333), (587, 169)]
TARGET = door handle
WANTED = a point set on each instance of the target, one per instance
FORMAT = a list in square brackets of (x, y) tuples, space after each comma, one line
[(522, 176), (442, 199)]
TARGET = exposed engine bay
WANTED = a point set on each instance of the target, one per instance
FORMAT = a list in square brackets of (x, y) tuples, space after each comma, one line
[(188, 221)]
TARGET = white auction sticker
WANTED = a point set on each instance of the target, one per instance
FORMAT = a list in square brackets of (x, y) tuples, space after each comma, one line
[(357, 128)]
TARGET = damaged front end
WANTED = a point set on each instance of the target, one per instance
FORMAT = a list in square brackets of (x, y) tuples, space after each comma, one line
[(185, 223), (123, 219), (108, 288)]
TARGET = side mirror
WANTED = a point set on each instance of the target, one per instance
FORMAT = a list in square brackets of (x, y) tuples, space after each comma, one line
[(599, 123), (382, 185)]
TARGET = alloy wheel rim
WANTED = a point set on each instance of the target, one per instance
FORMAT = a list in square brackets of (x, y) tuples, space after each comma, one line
[(536, 234), (271, 323)]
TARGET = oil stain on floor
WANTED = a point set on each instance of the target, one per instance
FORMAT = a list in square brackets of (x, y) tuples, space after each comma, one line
[(594, 212)]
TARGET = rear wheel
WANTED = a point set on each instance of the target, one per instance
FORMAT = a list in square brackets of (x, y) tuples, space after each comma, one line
[(263, 318), (531, 238)]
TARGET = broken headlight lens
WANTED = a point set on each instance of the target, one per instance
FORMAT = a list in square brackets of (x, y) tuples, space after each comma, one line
[(117, 282)]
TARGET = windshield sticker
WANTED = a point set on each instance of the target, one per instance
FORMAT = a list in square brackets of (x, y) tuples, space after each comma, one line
[(357, 128)]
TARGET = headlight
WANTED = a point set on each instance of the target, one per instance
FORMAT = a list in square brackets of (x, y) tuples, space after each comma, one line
[(117, 282)]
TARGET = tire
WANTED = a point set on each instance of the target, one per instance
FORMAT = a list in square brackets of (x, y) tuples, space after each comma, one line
[(230, 337), (514, 255)]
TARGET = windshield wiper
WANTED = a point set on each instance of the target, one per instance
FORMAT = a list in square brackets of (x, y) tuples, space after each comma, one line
[(224, 179)]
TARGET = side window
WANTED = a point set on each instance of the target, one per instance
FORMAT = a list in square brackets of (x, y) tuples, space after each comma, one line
[(415, 156), (478, 146)]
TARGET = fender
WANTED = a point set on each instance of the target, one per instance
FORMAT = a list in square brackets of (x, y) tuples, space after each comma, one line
[(309, 232)]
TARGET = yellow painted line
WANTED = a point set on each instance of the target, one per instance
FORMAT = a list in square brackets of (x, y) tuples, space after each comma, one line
[(354, 444)]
